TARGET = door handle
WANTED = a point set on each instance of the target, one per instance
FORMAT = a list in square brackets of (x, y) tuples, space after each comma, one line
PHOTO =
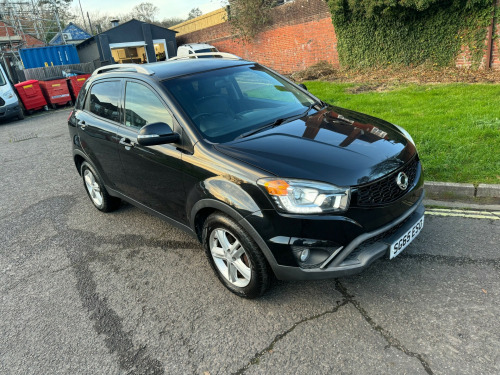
[(127, 143), (82, 124)]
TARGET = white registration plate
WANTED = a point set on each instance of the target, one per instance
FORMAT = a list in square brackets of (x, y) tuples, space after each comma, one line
[(402, 242)]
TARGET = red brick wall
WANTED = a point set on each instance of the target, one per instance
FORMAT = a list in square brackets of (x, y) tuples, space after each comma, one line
[(495, 56), (30, 40), (464, 59), (301, 34)]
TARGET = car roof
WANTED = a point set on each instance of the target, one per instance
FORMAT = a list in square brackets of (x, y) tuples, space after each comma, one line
[(175, 68)]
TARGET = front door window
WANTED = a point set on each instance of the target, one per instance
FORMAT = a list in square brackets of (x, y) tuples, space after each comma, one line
[(143, 107)]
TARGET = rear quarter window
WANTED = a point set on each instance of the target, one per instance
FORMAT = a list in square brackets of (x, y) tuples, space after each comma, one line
[(81, 96), (103, 100)]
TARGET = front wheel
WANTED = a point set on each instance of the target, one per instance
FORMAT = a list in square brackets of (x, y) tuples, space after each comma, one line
[(20, 114), (236, 259)]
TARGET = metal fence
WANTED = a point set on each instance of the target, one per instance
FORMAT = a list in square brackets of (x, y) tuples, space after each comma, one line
[(45, 73)]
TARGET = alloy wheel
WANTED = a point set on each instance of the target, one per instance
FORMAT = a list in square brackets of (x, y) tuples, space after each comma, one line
[(230, 257), (93, 188)]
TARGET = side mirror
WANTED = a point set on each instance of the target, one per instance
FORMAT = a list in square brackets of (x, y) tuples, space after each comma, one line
[(303, 86), (157, 133)]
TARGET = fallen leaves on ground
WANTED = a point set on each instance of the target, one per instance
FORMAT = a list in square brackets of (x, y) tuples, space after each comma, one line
[(381, 78)]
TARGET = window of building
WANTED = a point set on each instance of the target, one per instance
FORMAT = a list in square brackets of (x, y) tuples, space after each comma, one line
[(126, 55)]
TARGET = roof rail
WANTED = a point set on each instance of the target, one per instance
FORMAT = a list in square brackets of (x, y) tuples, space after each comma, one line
[(223, 55), (124, 68)]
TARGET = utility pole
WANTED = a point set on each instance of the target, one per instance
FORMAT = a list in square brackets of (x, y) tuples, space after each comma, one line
[(90, 24), (83, 17)]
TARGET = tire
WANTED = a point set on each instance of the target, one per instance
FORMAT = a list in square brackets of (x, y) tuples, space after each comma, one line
[(20, 115), (235, 258), (96, 191)]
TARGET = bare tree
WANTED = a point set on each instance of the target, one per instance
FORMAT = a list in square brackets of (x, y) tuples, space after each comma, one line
[(145, 12), (167, 22), (193, 13), (102, 21)]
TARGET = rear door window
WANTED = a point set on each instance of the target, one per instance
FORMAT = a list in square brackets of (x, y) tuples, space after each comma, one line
[(103, 100)]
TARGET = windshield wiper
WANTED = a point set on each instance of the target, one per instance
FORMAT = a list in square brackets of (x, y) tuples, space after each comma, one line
[(276, 122), (254, 131)]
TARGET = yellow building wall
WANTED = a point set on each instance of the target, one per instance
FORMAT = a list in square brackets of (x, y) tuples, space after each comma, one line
[(201, 22)]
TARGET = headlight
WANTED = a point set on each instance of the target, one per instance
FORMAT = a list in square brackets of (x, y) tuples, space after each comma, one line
[(405, 133), (306, 197)]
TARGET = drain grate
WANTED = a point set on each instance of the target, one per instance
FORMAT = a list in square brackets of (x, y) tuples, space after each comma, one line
[(24, 137)]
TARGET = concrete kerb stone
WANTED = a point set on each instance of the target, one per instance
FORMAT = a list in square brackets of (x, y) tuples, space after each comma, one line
[(488, 191), (449, 190)]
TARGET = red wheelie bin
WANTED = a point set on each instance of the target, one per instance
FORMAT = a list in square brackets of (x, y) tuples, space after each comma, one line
[(75, 84), (31, 95), (56, 92)]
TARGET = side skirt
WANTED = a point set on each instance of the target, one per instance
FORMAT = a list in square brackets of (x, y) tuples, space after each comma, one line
[(169, 220)]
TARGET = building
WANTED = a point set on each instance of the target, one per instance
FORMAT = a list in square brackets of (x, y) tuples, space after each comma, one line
[(10, 40), (131, 42), (72, 34)]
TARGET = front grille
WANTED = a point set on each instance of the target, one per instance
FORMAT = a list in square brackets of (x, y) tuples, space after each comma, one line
[(386, 190), (2, 102)]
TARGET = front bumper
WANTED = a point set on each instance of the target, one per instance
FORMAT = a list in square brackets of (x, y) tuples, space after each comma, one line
[(359, 253), (9, 110)]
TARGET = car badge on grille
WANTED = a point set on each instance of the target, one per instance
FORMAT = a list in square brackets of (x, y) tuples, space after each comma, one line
[(402, 180)]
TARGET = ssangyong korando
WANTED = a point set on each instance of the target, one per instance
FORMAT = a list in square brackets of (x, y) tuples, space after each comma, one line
[(270, 179)]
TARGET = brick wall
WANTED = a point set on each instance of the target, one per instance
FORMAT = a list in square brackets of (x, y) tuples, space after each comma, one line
[(464, 59), (7, 30), (495, 55), (301, 34)]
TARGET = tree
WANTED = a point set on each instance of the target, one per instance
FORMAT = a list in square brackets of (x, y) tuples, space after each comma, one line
[(193, 13), (145, 12), (51, 11), (167, 22), (249, 17)]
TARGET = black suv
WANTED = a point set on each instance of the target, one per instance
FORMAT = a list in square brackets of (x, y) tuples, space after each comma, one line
[(267, 177)]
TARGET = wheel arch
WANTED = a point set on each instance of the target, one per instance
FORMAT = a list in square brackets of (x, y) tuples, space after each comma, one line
[(78, 159), (205, 207)]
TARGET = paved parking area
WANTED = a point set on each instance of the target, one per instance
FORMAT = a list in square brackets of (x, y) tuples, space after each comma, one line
[(124, 293)]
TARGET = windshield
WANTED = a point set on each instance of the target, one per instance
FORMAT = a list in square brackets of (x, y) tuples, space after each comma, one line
[(225, 103), (206, 50), (2, 79)]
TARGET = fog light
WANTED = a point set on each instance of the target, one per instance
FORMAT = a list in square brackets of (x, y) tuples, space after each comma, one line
[(304, 255)]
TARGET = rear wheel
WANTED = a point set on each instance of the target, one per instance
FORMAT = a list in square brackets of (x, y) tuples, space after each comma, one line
[(96, 190), (235, 257)]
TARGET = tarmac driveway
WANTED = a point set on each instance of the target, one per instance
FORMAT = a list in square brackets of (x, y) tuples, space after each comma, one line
[(125, 293)]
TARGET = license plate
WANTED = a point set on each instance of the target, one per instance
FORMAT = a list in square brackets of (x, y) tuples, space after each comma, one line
[(402, 242)]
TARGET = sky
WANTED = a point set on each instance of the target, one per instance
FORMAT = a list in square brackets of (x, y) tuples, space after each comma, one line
[(168, 8)]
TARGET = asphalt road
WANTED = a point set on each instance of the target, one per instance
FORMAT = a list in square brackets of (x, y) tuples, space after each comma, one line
[(125, 293)]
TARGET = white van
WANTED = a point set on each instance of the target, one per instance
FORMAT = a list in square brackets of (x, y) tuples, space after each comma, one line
[(192, 48), (9, 103)]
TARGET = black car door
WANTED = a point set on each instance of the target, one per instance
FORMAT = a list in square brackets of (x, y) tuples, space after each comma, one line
[(97, 123), (152, 175)]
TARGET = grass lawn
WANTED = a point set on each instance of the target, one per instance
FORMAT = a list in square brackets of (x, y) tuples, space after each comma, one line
[(456, 126)]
